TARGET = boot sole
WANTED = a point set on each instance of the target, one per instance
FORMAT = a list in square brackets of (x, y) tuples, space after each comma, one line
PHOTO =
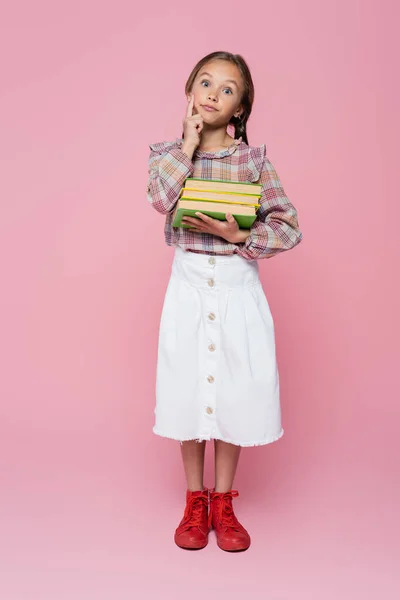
[(191, 547), (233, 549)]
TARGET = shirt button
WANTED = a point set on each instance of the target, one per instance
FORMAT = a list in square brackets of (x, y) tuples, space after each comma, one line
[(211, 347), (211, 282), (209, 410), (210, 379), (211, 260), (211, 316)]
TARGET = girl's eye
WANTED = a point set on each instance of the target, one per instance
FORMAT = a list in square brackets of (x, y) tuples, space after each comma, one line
[(206, 81)]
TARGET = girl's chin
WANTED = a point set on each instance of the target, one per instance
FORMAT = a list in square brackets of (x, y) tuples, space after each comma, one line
[(208, 115)]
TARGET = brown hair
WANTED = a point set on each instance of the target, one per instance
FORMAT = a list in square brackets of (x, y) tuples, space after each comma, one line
[(247, 98)]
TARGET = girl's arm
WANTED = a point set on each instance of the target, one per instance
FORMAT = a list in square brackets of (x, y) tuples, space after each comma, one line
[(167, 172), (276, 228)]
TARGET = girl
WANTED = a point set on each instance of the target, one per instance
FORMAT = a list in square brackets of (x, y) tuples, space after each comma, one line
[(217, 375)]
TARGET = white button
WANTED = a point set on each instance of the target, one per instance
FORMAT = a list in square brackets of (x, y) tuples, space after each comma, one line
[(209, 410), (211, 347), (211, 316), (211, 282), (210, 379), (211, 260)]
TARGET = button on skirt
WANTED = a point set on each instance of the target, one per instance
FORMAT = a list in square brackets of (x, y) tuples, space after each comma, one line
[(217, 374)]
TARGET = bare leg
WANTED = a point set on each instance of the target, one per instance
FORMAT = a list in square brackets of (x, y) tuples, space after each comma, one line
[(226, 460), (193, 463)]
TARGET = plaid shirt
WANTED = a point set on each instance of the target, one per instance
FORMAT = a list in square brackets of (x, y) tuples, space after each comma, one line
[(276, 227)]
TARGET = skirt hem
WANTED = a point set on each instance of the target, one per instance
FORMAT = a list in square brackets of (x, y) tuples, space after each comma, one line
[(226, 440)]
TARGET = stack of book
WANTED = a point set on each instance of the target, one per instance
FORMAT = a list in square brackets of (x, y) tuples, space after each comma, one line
[(215, 198)]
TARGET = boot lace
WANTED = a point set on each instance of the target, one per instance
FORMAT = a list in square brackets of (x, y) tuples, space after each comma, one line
[(193, 515), (224, 511)]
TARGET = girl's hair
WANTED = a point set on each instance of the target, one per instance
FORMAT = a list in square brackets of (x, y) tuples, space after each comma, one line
[(247, 98)]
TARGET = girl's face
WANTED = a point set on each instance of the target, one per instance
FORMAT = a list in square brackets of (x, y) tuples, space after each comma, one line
[(218, 84)]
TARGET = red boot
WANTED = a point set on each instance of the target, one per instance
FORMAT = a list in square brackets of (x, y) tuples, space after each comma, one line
[(231, 535), (192, 531)]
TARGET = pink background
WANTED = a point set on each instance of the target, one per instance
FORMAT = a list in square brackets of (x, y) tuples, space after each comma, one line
[(89, 496)]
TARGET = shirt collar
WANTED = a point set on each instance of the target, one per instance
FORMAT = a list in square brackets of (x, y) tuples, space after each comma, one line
[(219, 154)]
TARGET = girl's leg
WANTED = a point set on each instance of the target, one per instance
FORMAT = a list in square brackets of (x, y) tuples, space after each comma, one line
[(226, 460), (192, 531), (193, 463), (231, 535)]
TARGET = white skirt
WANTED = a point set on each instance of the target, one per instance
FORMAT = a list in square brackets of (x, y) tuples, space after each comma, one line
[(217, 374)]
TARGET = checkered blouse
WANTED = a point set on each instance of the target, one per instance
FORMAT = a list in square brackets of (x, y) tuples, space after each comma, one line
[(276, 227)]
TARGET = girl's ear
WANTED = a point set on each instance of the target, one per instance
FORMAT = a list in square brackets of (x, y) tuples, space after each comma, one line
[(239, 112)]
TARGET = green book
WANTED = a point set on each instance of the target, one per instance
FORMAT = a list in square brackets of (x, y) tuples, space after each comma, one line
[(244, 221)]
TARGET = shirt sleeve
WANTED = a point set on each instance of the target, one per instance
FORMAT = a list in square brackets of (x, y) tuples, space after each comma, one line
[(168, 168), (276, 228)]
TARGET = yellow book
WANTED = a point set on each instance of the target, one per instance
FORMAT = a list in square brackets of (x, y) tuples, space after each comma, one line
[(231, 198), (222, 185)]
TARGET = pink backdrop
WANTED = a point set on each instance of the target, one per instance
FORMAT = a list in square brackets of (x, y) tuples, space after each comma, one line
[(89, 496)]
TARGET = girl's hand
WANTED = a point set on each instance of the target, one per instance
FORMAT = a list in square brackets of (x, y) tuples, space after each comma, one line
[(192, 126), (229, 229)]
